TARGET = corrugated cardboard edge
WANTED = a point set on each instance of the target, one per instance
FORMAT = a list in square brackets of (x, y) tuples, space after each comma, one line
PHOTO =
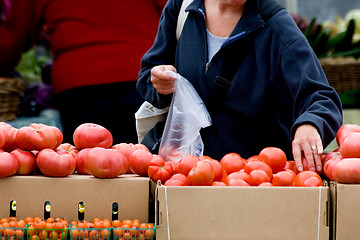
[(333, 202)]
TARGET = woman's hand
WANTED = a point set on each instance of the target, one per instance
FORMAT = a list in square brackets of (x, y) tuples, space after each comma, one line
[(162, 82), (307, 143)]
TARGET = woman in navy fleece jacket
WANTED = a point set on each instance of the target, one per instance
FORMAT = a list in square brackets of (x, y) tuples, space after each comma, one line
[(279, 95)]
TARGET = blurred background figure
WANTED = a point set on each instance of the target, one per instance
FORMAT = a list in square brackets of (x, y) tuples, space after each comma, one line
[(95, 48)]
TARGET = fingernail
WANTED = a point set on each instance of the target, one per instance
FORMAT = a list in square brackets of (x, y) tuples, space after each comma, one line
[(300, 169), (312, 169), (319, 168)]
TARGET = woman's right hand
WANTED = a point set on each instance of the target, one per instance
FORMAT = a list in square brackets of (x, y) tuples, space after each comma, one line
[(162, 82)]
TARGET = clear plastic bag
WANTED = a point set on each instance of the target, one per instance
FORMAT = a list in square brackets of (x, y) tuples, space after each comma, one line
[(186, 116)]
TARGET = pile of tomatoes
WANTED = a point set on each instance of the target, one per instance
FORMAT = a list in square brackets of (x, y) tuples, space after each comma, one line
[(269, 168), (11, 228), (59, 228), (39, 148), (343, 164)]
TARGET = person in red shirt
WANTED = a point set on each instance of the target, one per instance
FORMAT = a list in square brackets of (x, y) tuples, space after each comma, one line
[(96, 49)]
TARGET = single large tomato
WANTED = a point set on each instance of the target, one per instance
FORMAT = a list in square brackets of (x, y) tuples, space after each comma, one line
[(329, 167), (185, 164), (178, 176), (344, 131), (274, 157), (38, 136), (347, 170), (257, 176), (218, 169), (350, 146), (237, 182), (232, 162), (26, 161), (10, 136), (8, 165), (55, 164), (202, 174), (284, 178), (159, 170), (67, 147), (80, 161), (105, 162), (237, 175), (139, 161), (308, 179), (90, 135), (258, 165)]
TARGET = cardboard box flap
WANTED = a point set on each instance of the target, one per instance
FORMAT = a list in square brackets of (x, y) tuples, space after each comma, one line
[(346, 210), (242, 213)]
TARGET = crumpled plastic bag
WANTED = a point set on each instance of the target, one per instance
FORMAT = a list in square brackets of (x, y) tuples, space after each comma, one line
[(186, 116)]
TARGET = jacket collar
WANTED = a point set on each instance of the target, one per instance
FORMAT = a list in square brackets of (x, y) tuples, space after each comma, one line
[(248, 23)]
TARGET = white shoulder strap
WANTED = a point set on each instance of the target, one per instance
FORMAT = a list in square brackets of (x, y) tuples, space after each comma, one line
[(182, 17)]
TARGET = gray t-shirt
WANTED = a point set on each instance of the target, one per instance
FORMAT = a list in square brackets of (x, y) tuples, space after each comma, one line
[(214, 44)]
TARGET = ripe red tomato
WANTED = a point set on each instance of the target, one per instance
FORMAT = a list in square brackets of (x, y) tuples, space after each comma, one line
[(258, 165), (237, 182), (308, 179), (159, 170), (8, 165), (218, 169), (202, 174), (283, 178), (257, 176), (185, 164), (329, 166), (55, 164), (26, 161), (232, 162), (105, 162), (347, 170), (344, 131), (255, 157), (174, 182), (80, 161), (2, 138), (266, 184), (237, 175), (274, 157), (67, 147), (127, 149), (38, 136), (10, 134), (290, 164), (90, 135), (217, 184), (179, 176), (139, 161), (350, 146)]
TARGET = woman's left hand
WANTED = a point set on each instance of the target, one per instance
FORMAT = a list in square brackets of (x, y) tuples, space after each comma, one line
[(307, 143)]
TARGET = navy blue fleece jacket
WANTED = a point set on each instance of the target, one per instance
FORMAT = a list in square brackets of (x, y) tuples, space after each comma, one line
[(278, 86)]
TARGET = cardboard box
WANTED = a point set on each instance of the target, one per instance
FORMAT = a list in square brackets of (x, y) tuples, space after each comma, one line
[(345, 211), (242, 213), (130, 192)]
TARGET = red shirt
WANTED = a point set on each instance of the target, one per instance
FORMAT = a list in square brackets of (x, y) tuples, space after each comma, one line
[(93, 42)]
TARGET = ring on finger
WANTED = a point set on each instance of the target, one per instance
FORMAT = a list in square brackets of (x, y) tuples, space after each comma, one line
[(314, 148)]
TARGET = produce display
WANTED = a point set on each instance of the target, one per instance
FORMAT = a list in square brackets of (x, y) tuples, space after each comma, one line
[(39, 149), (340, 38), (343, 164), (58, 228)]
